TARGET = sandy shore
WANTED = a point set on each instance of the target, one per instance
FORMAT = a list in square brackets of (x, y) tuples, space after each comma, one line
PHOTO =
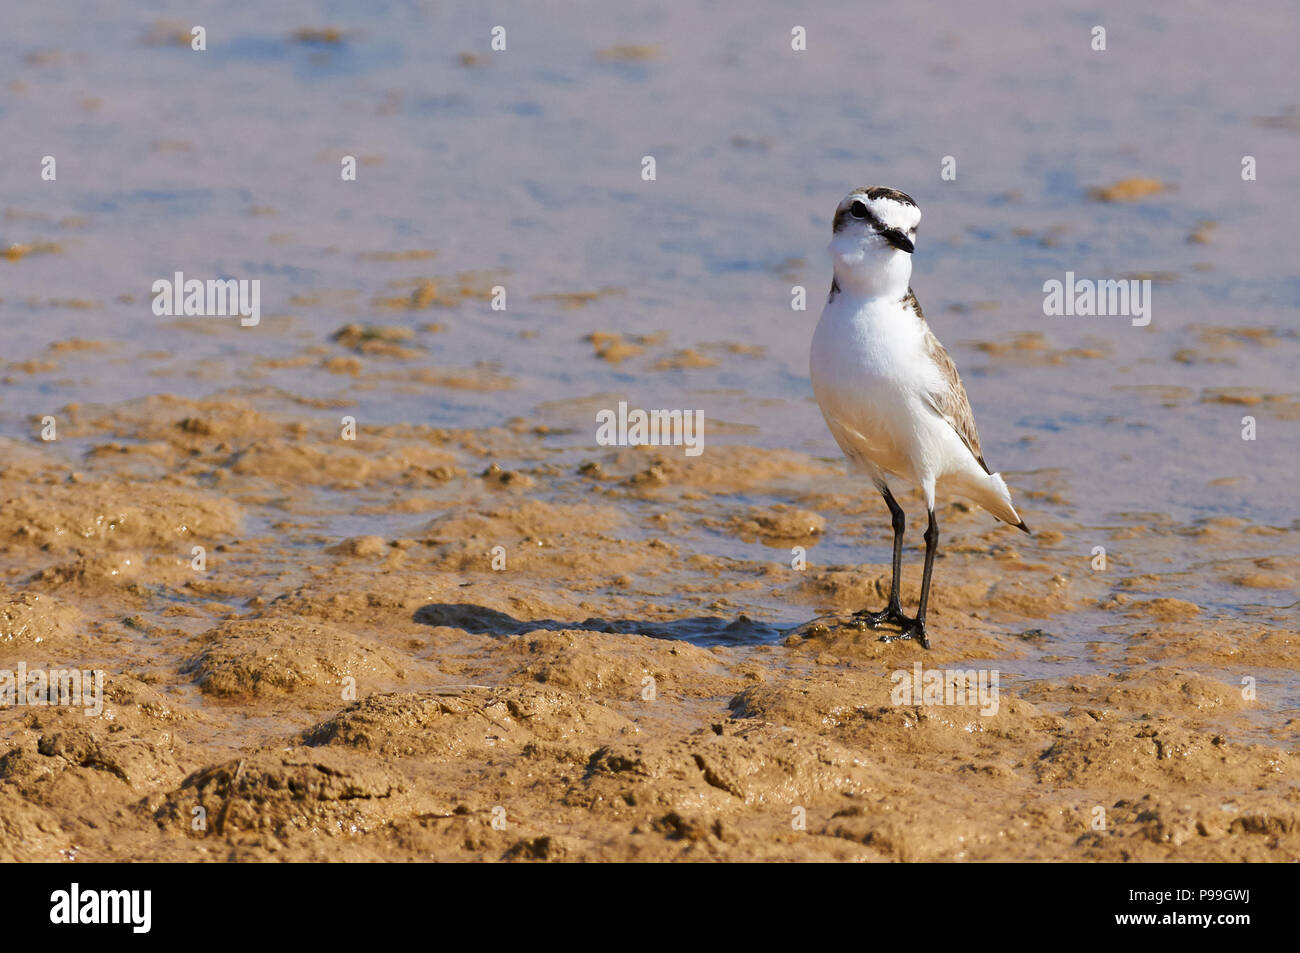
[(537, 660), (475, 633)]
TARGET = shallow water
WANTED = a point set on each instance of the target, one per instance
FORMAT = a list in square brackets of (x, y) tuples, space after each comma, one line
[(525, 170), (367, 563)]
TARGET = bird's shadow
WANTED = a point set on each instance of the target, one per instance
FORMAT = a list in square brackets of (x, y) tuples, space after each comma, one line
[(698, 630)]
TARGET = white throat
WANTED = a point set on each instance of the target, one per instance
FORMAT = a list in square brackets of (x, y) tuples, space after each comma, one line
[(871, 269)]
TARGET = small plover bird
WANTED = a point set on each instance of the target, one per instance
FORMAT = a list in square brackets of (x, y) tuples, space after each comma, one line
[(889, 392)]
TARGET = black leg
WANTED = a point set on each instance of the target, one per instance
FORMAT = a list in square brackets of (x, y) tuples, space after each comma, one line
[(916, 628), (893, 612)]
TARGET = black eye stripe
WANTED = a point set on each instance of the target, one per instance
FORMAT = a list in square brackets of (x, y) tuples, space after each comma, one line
[(860, 211)]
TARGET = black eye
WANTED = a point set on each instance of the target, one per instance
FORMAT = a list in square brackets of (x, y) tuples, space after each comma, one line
[(858, 210)]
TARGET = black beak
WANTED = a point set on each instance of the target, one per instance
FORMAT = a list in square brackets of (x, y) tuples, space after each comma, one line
[(898, 240)]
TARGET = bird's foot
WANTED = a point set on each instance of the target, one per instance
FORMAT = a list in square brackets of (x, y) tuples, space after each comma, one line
[(890, 615), (912, 629)]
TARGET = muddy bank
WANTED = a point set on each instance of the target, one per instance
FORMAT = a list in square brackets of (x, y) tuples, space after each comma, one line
[(362, 582), (548, 656)]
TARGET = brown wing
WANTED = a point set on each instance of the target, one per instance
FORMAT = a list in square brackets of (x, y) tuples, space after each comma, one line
[(950, 402)]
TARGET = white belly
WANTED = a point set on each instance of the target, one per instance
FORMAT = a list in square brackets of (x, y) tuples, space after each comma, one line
[(869, 371)]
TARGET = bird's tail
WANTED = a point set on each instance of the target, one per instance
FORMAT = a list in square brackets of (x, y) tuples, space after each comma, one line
[(991, 493)]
